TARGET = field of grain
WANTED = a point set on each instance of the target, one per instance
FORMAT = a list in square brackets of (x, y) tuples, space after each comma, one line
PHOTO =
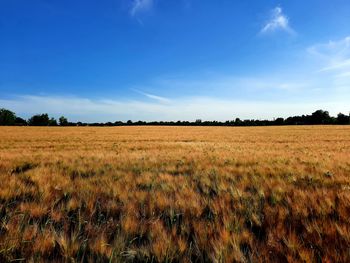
[(175, 194)]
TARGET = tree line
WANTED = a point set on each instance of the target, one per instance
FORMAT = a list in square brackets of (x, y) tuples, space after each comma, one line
[(9, 118), (319, 117)]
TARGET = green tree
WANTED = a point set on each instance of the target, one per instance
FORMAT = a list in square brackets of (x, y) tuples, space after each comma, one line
[(343, 119), (53, 122), (39, 120), (279, 121), (238, 122), (63, 121), (20, 122), (7, 117), (320, 117)]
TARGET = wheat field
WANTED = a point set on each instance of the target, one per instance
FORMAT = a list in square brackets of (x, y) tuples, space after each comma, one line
[(175, 194)]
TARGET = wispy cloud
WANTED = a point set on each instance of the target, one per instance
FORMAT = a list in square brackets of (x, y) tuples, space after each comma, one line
[(140, 6), (187, 108), (278, 21), (333, 60), (226, 84), (152, 96), (335, 55), (343, 75), (338, 48), (337, 65)]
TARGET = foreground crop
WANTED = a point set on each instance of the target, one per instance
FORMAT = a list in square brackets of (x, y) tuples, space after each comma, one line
[(168, 194)]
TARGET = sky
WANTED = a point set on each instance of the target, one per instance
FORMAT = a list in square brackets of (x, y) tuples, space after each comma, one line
[(110, 60)]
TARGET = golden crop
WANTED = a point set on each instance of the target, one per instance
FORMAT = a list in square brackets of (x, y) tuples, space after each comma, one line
[(170, 194)]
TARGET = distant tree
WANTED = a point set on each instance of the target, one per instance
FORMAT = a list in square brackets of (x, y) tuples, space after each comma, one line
[(320, 117), (140, 123), (249, 122), (20, 122), (296, 120), (343, 119), (279, 121), (39, 120), (53, 122), (238, 122), (7, 117), (63, 121)]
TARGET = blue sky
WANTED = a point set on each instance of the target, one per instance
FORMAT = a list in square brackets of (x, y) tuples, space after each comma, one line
[(169, 60)]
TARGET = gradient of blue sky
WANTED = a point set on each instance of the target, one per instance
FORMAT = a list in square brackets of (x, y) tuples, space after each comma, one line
[(169, 60)]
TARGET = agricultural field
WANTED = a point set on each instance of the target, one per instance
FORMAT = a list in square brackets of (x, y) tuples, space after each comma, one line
[(175, 194)]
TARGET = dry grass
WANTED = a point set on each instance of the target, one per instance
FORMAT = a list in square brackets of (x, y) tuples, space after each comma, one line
[(169, 194)]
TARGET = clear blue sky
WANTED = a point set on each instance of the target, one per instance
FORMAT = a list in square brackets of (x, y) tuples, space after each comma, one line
[(168, 60)]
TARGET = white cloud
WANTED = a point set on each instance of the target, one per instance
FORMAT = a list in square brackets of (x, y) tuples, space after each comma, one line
[(343, 75), (140, 6), (333, 59), (334, 55), (153, 97), (339, 48), (189, 108), (211, 96), (226, 84), (337, 65), (278, 21)]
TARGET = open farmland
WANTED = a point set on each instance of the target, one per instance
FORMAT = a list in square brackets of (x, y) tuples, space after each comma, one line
[(170, 194)]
